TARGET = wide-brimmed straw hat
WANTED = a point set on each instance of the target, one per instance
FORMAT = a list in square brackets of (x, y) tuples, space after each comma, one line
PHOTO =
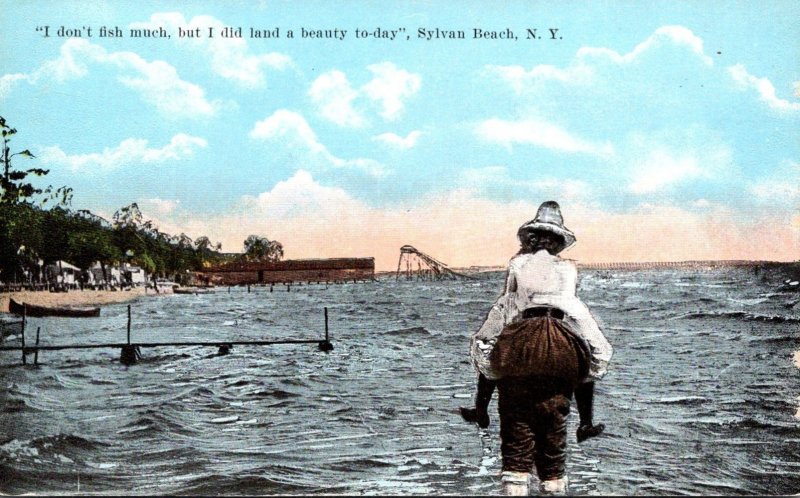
[(549, 218)]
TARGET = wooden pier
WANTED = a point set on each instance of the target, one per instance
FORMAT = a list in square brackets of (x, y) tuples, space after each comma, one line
[(130, 351)]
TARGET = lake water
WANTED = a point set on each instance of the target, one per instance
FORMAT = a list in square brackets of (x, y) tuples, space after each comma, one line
[(702, 396)]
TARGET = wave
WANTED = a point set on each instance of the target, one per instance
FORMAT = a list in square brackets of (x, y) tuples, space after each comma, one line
[(410, 331), (683, 400), (245, 485), (740, 315), (274, 393), (58, 447)]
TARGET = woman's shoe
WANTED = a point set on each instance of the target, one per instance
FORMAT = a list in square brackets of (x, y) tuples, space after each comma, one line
[(584, 432)]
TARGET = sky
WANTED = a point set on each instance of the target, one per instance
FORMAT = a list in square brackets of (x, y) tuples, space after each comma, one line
[(667, 131)]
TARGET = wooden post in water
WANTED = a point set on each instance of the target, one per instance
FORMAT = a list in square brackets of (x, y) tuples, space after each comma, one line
[(127, 355), (24, 317), (36, 353), (326, 344)]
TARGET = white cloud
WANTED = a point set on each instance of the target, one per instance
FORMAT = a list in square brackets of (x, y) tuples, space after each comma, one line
[(300, 195), (129, 151), (591, 65), (583, 69), (390, 87), (397, 141), (764, 88), (160, 206), (156, 82), (540, 133), (72, 63), (701, 203), (659, 160), (661, 169), (230, 58), (783, 187), (8, 81), (334, 96), (286, 124), (675, 35), (292, 129), (159, 84), (520, 79)]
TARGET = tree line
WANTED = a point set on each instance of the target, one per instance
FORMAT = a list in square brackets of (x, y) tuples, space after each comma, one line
[(38, 226)]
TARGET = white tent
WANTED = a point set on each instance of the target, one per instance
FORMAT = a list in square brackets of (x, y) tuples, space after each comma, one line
[(63, 265), (63, 272)]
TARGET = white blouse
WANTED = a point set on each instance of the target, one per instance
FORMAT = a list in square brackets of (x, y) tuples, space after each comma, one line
[(541, 279)]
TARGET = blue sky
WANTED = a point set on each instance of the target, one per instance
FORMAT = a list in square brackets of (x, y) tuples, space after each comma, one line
[(666, 130)]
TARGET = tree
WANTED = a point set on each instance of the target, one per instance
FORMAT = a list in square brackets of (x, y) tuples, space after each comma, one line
[(15, 189), (206, 252), (262, 249)]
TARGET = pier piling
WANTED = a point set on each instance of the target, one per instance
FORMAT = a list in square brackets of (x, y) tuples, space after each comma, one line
[(22, 334), (36, 353), (326, 344)]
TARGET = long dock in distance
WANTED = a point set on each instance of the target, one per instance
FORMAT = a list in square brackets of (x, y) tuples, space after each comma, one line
[(57, 347), (130, 351)]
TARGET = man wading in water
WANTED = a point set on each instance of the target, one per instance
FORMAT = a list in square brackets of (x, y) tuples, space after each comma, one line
[(539, 345)]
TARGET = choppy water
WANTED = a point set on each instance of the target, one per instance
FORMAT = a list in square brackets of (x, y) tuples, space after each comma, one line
[(701, 398)]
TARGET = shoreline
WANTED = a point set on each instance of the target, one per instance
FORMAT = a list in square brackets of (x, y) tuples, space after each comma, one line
[(72, 298)]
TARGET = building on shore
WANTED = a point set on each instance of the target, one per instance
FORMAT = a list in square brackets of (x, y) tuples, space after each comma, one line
[(290, 271)]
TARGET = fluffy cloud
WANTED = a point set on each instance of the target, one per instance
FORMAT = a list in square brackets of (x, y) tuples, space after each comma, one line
[(156, 82), (334, 97), (541, 133), (389, 88), (520, 79), (230, 58), (584, 69), (129, 151), (300, 195), (394, 140), (291, 129), (663, 36), (763, 87), (8, 81), (661, 168), (657, 161), (160, 206)]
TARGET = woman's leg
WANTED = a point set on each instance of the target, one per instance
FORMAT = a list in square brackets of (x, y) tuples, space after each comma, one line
[(584, 398), (480, 414)]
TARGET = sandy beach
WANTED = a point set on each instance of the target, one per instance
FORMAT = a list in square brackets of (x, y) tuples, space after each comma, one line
[(74, 298)]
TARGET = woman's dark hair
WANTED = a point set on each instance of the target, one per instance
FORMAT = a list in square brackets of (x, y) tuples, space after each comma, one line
[(532, 240)]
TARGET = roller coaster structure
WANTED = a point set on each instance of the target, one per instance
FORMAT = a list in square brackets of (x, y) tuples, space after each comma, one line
[(427, 267)]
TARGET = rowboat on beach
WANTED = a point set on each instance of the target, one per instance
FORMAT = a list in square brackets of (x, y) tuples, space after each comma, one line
[(37, 310)]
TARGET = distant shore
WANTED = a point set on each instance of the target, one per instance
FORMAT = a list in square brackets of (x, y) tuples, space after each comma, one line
[(72, 298)]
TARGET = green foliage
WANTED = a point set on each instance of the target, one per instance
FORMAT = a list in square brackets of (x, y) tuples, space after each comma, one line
[(14, 187), (262, 249)]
